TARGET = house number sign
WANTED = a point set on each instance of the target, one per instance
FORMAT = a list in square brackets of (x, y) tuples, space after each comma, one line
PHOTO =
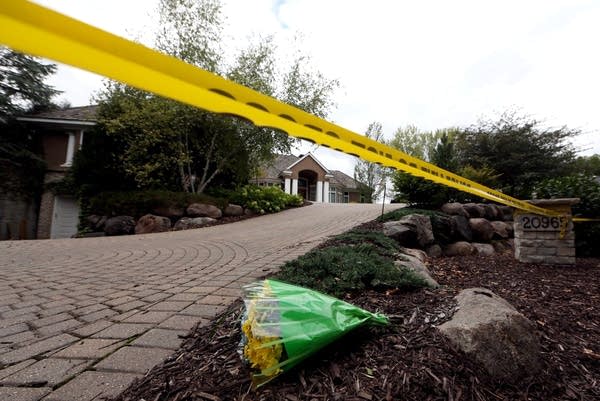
[(535, 222)]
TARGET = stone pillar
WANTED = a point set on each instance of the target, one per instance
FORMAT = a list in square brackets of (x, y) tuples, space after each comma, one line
[(294, 186), (326, 191), (288, 185), (543, 239), (319, 191)]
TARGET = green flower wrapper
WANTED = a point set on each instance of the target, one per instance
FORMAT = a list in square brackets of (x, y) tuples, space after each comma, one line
[(283, 324)]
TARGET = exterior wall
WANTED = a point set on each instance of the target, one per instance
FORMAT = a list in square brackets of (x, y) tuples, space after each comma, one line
[(308, 164), (44, 223), (55, 149), (354, 197), (45, 216), (18, 217)]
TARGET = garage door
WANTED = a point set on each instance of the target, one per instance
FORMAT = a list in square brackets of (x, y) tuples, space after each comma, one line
[(65, 217)]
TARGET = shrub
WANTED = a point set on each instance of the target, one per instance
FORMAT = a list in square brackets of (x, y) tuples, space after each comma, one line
[(587, 234), (341, 269), (384, 245), (405, 211), (138, 203), (264, 199), (417, 191)]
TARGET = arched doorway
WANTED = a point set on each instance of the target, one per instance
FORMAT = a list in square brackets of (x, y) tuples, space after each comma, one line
[(307, 185)]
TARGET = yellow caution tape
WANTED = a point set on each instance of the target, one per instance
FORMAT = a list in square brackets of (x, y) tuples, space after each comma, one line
[(36, 30)]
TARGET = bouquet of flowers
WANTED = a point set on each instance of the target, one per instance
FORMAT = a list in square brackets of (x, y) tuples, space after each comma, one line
[(283, 324)]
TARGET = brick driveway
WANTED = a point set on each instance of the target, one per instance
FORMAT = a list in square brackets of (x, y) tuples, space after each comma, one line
[(80, 319)]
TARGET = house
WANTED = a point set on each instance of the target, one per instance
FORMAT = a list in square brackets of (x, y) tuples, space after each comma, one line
[(305, 175), (62, 133)]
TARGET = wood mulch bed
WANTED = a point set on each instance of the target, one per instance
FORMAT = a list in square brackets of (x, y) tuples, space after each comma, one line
[(410, 360)]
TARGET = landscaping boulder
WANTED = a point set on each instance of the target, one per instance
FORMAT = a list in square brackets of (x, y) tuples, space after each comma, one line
[(187, 223), (460, 248), (414, 265), (172, 212), (404, 235), (483, 249), (507, 212), (150, 223), (454, 209), (482, 229), (120, 225), (443, 228), (96, 222), (462, 229), (204, 210), (491, 331), (502, 230), (417, 253), (434, 251), (421, 225), (491, 211), (233, 210), (474, 210), (502, 245)]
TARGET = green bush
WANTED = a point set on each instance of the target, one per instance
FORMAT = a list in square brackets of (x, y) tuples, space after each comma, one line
[(405, 211), (587, 234), (417, 191), (138, 203), (384, 245), (341, 269), (264, 199)]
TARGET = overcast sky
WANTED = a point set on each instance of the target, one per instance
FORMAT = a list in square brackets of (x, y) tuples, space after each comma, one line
[(433, 64)]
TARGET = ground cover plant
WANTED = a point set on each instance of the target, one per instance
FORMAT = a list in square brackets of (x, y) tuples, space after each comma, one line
[(409, 359)]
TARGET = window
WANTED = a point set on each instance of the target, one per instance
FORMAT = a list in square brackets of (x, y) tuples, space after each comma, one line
[(346, 197), (332, 193)]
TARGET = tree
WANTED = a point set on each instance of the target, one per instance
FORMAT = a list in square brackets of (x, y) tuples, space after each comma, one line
[(520, 149), (371, 176), (436, 147), (170, 145), (22, 89), (588, 165), (22, 86)]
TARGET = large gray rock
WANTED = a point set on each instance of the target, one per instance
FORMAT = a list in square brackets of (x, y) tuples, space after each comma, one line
[(120, 225), (462, 229), (474, 210), (460, 248), (443, 228), (491, 211), (150, 223), (501, 246), (507, 212), (417, 253), (482, 229), (414, 265), (502, 229), (454, 209), (491, 331), (434, 251), (204, 210), (96, 222), (421, 225), (404, 235), (233, 210), (187, 223), (483, 249)]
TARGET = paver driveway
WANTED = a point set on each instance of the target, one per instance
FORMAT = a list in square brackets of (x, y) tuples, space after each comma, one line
[(80, 319)]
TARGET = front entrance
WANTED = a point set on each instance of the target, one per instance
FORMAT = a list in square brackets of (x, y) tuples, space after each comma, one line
[(307, 185)]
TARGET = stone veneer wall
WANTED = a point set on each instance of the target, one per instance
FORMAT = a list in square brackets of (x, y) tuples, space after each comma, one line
[(538, 238)]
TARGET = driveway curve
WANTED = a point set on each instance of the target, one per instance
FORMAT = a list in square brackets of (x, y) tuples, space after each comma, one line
[(82, 318)]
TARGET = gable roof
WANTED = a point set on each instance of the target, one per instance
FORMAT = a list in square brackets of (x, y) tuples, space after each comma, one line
[(279, 164), (83, 115), (312, 157), (343, 180)]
